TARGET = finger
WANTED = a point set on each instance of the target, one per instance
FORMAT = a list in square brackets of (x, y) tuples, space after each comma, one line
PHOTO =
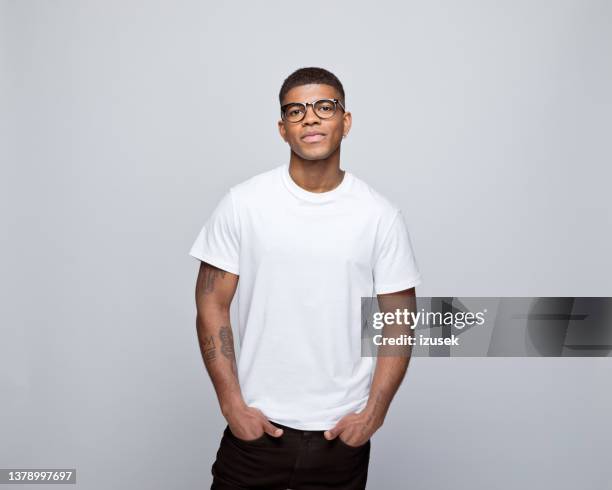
[(338, 428), (334, 431), (271, 429)]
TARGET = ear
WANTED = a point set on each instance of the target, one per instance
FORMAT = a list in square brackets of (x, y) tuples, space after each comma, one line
[(347, 121), (281, 130)]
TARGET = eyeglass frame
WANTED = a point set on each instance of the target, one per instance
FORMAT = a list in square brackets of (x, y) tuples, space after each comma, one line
[(306, 104)]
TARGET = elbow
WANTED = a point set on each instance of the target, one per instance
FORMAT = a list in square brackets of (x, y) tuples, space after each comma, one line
[(211, 316)]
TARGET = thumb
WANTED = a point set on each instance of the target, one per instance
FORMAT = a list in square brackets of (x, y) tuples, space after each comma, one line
[(333, 432), (271, 429)]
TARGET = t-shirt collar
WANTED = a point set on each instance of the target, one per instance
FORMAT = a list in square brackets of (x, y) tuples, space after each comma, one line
[(314, 197)]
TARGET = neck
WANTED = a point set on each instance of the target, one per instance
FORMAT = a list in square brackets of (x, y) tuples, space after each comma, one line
[(316, 175)]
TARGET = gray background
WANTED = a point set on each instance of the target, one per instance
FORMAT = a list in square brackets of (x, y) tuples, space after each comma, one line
[(124, 122)]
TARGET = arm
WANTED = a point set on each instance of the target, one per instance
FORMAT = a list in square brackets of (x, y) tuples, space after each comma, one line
[(214, 292), (392, 361), (391, 365)]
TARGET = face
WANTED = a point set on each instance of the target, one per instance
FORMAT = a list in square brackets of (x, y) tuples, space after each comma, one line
[(314, 138)]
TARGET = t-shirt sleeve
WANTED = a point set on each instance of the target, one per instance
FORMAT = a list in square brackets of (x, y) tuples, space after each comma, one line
[(218, 242), (395, 267)]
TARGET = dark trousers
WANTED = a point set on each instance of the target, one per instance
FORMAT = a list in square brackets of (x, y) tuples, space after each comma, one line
[(297, 460)]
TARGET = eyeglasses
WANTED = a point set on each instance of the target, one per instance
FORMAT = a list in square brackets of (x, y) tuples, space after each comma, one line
[(296, 111)]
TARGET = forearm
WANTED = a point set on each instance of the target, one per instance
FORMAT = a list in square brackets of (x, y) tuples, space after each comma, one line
[(392, 360), (217, 347), (388, 376)]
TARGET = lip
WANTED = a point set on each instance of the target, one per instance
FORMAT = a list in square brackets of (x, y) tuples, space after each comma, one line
[(313, 137)]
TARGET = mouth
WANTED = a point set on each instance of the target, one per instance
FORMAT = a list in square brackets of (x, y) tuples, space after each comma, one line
[(313, 137)]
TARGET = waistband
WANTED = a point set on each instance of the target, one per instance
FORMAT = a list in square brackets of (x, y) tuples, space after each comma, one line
[(287, 429)]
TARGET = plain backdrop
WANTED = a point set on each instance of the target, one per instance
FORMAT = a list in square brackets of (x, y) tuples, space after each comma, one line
[(124, 122)]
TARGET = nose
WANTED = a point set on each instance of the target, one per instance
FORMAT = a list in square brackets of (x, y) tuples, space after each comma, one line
[(310, 115)]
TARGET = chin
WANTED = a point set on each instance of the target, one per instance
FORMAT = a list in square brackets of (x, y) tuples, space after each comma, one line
[(320, 154)]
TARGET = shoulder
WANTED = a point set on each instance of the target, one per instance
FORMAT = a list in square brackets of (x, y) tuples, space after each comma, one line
[(374, 200), (255, 186)]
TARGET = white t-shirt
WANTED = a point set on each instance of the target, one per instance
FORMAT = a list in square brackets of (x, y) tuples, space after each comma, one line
[(305, 260)]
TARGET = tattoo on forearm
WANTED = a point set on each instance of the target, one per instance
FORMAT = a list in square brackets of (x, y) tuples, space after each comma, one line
[(209, 347), (208, 276), (227, 346), (209, 351), (227, 342)]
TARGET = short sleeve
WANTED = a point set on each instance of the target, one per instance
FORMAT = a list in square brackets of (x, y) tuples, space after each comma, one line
[(395, 267), (218, 242)]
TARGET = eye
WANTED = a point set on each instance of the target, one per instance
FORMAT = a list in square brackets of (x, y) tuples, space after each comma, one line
[(294, 111), (325, 107)]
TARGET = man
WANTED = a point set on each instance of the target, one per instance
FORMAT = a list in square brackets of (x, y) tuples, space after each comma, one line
[(302, 243)]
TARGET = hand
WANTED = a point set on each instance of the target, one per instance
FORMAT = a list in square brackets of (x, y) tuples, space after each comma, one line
[(356, 428), (249, 423)]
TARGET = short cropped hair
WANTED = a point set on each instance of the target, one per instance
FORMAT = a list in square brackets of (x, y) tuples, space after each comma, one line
[(305, 76)]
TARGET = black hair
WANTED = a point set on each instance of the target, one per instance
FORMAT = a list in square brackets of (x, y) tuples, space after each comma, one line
[(305, 76)]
